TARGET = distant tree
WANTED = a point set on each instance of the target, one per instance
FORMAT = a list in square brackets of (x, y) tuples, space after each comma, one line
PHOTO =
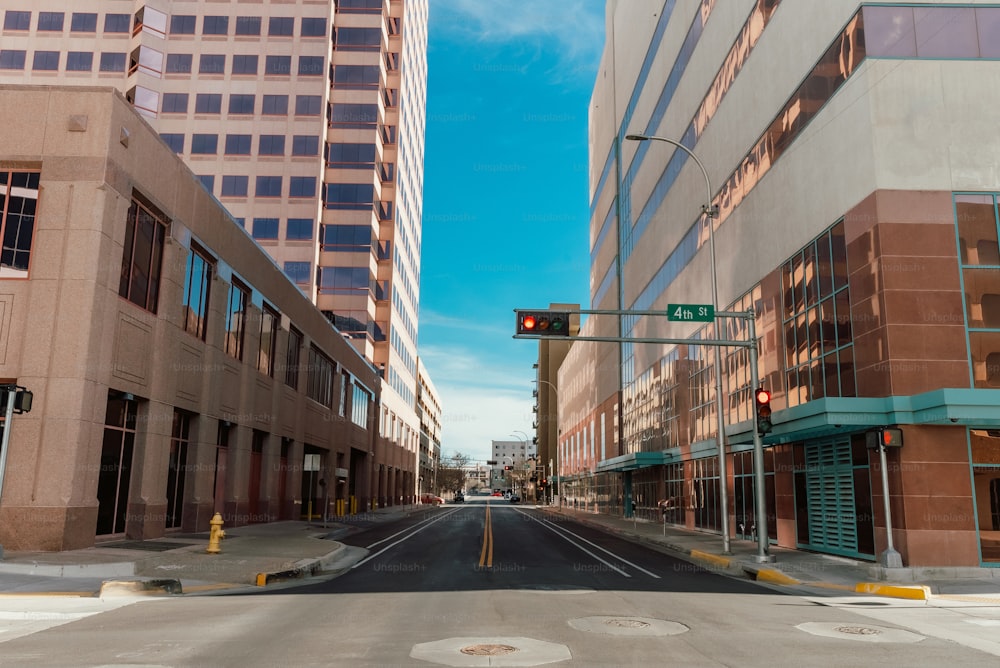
[(451, 473)]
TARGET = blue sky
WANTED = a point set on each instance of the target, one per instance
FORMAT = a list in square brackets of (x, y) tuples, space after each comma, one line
[(506, 202)]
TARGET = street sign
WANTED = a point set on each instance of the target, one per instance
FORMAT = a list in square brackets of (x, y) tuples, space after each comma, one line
[(690, 313)]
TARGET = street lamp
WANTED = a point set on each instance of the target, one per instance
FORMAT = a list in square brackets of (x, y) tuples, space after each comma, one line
[(710, 212)]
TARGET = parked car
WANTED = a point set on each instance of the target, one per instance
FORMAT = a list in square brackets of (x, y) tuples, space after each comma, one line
[(514, 498), (459, 497), (431, 499)]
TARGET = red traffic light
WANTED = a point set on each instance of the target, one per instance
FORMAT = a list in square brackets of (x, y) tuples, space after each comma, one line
[(763, 400), (543, 323), (762, 395)]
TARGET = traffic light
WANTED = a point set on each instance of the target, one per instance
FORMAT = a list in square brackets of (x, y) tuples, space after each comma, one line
[(763, 400), (544, 323), (542, 483), (508, 467)]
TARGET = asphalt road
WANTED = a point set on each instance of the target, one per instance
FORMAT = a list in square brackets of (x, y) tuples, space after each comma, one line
[(496, 585)]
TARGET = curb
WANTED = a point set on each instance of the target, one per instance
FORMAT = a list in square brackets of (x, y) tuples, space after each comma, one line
[(140, 588), (708, 557), (911, 592)]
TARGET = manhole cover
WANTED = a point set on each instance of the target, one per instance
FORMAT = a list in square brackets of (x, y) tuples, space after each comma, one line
[(627, 623), (858, 630), (488, 650), (628, 626)]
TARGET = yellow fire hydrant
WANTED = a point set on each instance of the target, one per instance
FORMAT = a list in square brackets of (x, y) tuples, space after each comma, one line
[(215, 534)]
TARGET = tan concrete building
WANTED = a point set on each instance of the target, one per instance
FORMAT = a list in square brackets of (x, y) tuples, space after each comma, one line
[(843, 146), (304, 118), (176, 371)]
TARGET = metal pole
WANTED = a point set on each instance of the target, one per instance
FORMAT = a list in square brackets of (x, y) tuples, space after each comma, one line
[(710, 212), (890, 558), (8, 415), (762, 555)]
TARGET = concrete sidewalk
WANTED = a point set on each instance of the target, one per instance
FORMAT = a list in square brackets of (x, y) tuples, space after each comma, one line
[(252, 556), (800, 569)]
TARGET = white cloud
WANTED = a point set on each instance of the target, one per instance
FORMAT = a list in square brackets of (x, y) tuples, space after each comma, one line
[(576, 25)]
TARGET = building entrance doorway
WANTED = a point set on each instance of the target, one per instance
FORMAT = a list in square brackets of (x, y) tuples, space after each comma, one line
[(115, 473)]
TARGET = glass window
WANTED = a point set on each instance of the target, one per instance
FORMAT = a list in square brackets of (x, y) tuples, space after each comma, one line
[(204, 144), (215, 25), (208, 103), (18, 203), (356, 76), (988, 22), (299, 229), (360, 6), (142, 256), (319, 386), (351, 154), (178, 63), (946, 32), (83, 22), (238, 144), (265, 228), (79, 61), (302, 186), (349, 238), (268, 186), (313, 27), (236, 312), (357, 196), (308, 105), (298, 272), (17, 20), (12, 59), (977, 229), (275, 105), (212, 64), (175, 103), (45, 61), (50, 21), (207, 182), (269, 320), (112, 62), (247, 25), (354, 115), (197, 285), (358, 39), (241, 104), (117, 23), (245, 64), (280, 26), (310, 66), (278, 65), (235, 186), (174, 140), (182, 25), (294, 348), (305, 145), (271, 145)]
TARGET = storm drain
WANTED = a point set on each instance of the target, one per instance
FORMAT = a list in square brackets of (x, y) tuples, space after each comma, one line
[(488, 650), (628, 626), (863, 633)]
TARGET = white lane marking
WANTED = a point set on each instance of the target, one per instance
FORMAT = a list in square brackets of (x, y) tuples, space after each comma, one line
[(578, 546), (392, 545), (432, 519), (624, 561)]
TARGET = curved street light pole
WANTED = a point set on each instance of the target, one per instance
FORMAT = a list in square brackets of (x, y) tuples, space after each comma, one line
[(710, 212)]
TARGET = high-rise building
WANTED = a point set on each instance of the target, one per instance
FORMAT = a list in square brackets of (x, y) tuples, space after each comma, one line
[(841, 147), (305, 119)]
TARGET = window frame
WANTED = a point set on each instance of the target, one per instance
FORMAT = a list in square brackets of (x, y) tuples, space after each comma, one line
[(149, 300)]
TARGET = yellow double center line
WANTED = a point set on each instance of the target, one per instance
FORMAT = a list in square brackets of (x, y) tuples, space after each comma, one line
[(486, 555)]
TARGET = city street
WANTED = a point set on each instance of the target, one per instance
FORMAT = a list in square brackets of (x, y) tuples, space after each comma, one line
[(494, 583)]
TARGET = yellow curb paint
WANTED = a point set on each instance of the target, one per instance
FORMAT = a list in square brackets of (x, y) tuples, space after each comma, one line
[(775, 576), (914, 592), (711, 558), (261, 579), (829, 585)]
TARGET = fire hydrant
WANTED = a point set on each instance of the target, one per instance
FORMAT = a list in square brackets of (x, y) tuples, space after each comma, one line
[(215, 534)]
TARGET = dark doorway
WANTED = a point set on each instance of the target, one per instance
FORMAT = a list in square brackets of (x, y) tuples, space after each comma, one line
[(116, 464)]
